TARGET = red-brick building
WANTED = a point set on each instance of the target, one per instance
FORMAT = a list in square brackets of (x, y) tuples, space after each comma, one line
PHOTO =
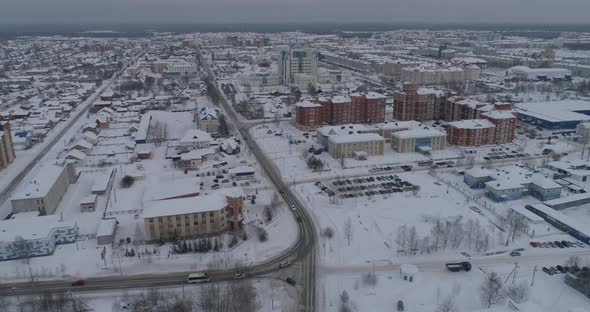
[(471, 132), (419, 104), (357, 108), (505, 122)]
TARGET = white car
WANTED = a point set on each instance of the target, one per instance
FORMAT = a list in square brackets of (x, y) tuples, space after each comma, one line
[(284, 264), (293, 208)]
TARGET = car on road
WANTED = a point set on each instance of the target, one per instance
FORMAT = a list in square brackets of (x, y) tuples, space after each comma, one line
[(515, 253), (290, 281), (78, 283), (239, 276), (293, 208), (284, 264), (546, 270), (299, 219)]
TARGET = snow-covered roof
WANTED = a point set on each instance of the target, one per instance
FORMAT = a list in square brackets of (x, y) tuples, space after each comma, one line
[(88, 199), (341, 99), (41, 183), (101, 180), (307, 103), (499, 114), (478, 172), (195, 135), (31, 227), (173, 188), (418, 133), (355, 138), (179, 206), (106, 227), (74, 153), (374, 96), (197, 154), (472, 124)]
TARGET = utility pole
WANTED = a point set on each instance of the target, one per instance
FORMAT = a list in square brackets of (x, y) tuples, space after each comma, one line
[(534, 271)]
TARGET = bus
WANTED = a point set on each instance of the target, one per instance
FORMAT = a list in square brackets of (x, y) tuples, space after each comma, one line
[(195, 278)]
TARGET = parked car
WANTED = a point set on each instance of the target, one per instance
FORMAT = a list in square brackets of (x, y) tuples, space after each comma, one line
[(546, 270), (515, 253)]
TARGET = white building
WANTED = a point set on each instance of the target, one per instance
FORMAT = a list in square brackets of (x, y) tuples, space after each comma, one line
[(43, 193), (297, 61), (194, 139), (261, 78), (540, 74)]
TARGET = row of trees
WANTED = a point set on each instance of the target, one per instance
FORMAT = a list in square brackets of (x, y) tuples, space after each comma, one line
[(202, 245)]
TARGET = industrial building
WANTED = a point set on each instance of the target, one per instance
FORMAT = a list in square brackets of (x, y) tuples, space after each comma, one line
[(555, 115), (539, 74)]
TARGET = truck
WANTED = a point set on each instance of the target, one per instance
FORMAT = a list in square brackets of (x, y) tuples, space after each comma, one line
[(456, 267)]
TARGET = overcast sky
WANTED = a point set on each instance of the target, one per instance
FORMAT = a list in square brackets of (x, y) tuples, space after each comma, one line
[(343, 11)]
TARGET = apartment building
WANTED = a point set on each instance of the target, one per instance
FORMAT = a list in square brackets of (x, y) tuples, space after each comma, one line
[(7, 154), (505, 122), (471, 132), (356, 108), (414, 103)]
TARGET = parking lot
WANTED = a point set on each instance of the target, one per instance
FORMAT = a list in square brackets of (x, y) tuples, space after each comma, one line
[(370, 186)]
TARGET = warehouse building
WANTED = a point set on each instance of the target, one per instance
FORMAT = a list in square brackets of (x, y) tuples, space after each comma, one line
[(539, 74), (555, 115)]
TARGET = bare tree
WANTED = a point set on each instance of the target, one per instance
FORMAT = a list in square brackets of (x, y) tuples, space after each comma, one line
[(516, 223), (491, 290), (401, 238), (518, 292), (572, 261), (347, 230), (447, 305), (23, 251)]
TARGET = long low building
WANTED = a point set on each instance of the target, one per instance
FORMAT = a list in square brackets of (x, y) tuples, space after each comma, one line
[(44, 192), (554, 115), (28, 235), (540, 74), (345, 146), (166, 220)]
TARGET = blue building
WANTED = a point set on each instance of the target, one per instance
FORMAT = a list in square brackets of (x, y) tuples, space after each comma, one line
[(511, 187), (556, 115), (27, 234), (477, 177)]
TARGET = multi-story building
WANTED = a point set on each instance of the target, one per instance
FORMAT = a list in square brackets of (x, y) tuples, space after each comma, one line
[(44, 192), (165, 220), (357, 108), (297, 61), (418, 140), (7, 154), (471, 132), (261, 78), (194, 139), (415, 103), (208, 119), (341, 109), (505, 122), (29, 235), (348, 146), (308, 115)]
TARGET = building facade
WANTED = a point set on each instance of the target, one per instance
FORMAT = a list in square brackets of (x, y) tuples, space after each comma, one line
[(294, 61), (471, 132), (345, 146), (7, 154), (44, 192), (415, 103), (418, 140), (166, 220)]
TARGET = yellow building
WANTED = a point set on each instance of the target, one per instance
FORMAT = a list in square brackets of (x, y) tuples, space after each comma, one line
[(165, 220), (346, 146)]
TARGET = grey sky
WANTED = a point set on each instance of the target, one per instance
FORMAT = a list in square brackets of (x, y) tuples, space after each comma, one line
[(236, 11)]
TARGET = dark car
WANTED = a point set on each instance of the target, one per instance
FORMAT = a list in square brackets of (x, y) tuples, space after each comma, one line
[(560, 268), (290, 281), (78, 283), (559, 244), (546, 270)]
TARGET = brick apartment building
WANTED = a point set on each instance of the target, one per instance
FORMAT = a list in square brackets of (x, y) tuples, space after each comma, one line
[(471, 132), (7, 154), (343, 109), (414, 103), (505, 122)]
